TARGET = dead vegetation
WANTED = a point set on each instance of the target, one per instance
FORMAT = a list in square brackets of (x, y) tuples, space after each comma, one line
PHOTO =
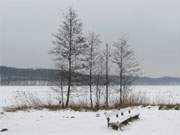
[(28, 101), (169, 107)]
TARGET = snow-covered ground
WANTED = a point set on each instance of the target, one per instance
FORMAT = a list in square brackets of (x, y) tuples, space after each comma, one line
[(152, 122), (11, 95), (66, 122)]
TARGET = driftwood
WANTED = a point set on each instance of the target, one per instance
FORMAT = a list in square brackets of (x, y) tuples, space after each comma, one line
[(114, 126), (121, 121), (3, 130)]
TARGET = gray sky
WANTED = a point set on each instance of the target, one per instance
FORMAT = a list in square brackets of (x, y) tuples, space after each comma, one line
[(153, 28)]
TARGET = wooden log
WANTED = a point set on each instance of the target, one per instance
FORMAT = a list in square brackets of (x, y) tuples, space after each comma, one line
[(114, 126), (3, 130), (120, 119), (125, 122), (135, 117)]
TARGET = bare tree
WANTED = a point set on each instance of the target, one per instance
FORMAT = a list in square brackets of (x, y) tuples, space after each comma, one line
[(99, 71), (69, 44), (93, 42), (59, 84), (128, 67), (62, 78), (107, 55)]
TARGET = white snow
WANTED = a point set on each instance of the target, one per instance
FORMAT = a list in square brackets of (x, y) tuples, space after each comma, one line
[(152, 122), (118, 116), (10, 95)]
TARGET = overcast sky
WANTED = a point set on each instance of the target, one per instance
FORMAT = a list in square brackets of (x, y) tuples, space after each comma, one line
[(153, 28)]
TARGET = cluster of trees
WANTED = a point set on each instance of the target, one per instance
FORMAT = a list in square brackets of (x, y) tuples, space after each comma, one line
[(21, 76), (75, 52)]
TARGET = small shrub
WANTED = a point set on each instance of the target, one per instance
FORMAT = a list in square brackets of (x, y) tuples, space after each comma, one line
[(169, 107)]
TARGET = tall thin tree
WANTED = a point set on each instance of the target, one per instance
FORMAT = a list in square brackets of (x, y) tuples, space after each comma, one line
[(107, 55), (126, 62), (93, 42), (99, 81), (69, 44)]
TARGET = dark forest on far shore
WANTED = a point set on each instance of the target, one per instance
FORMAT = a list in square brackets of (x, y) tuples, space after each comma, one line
[(23, 76)]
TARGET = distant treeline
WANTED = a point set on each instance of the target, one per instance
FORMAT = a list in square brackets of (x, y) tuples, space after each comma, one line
[(22, 76)]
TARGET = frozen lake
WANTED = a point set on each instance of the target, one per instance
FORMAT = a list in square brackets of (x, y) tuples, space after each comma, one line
[(10, 95)]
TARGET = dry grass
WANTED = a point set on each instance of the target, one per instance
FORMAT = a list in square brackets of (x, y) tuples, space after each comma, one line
[(28, 101), (169, 107), (130, 100)]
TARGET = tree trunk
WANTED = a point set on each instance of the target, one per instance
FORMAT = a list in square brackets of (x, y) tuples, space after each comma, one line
[(70, 70), (97, 92), (90, 75), (69, 84), (121, 76), (62, 93), (107, 79)]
